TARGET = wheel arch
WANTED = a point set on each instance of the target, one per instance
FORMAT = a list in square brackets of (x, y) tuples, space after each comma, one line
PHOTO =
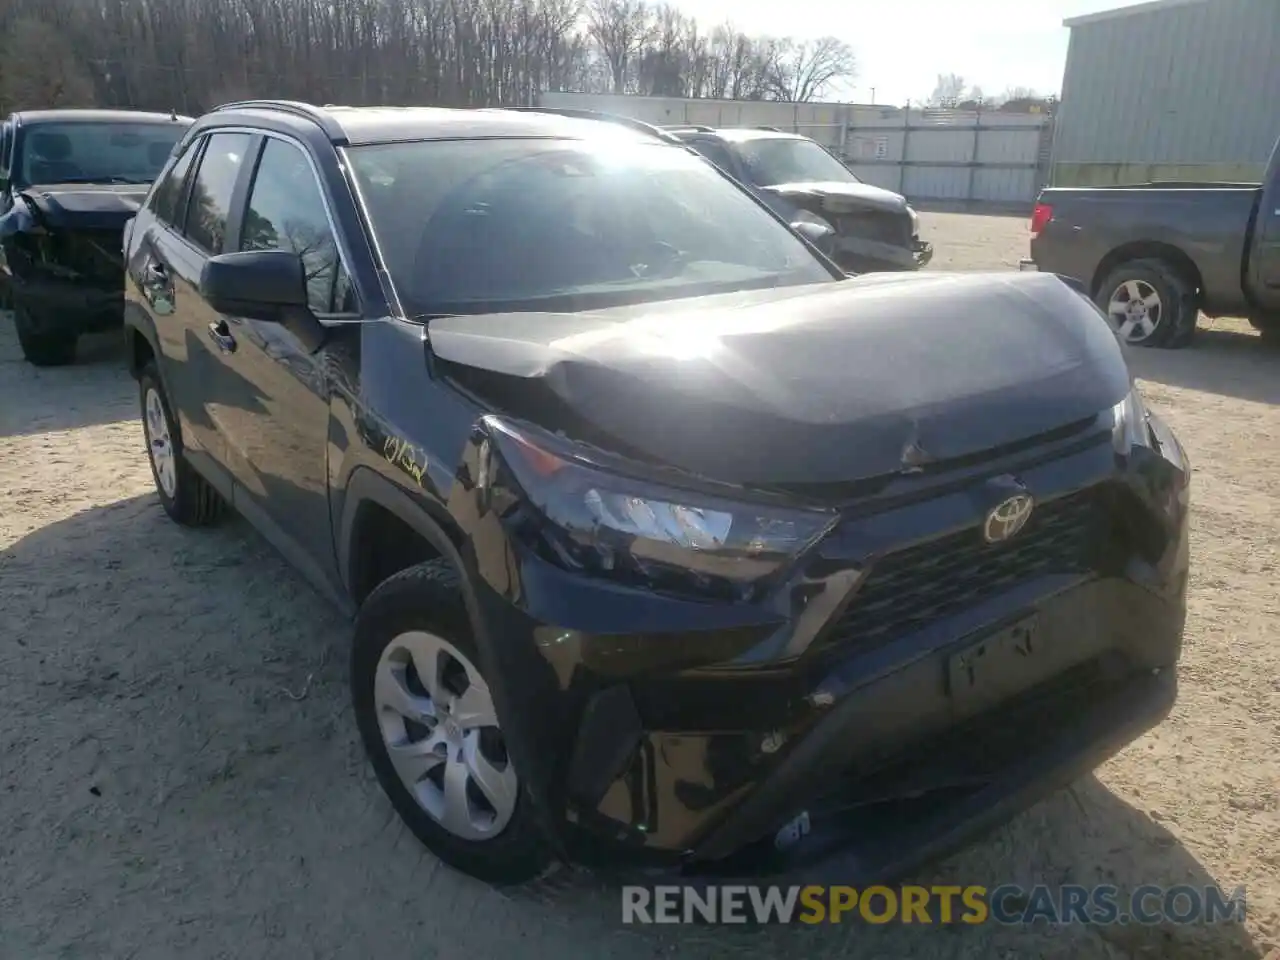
[(1174, 256), (141, 341), (371, 502)]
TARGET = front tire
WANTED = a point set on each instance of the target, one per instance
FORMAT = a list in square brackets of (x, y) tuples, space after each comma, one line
[(43, 349), (187, 497), (431, 731), (1150, 304)]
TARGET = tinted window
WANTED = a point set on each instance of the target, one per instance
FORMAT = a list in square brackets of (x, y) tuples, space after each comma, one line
[(6, 141), (97, 151), (287, 212), (774, 160), (211, 191), (468, 226), (167, 200), (716, 153)]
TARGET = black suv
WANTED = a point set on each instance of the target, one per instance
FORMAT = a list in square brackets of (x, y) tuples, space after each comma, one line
[(69, 180), (875, 229), (665, 541)]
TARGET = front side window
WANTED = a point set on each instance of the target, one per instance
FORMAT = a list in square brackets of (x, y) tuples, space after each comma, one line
[(772, 161), (211, 191), (287, 212), (166, 201), (84, 151), (535, 224)]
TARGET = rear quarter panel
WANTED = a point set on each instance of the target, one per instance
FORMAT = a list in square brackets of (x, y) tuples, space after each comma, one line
[(1210, 226)]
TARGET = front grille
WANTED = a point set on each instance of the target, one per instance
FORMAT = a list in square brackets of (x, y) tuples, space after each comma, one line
[(888, 228), (908, 590)]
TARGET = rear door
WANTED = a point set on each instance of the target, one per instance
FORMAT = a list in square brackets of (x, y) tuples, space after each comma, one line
[(187, 328), (1264, 258)]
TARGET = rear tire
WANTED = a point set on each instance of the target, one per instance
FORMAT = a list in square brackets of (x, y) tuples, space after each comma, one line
[(414, 687), (187, 497), (1150, 304), (43, 349)]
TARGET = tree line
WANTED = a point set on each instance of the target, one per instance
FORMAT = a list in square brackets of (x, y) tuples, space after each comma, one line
[(189, 55)]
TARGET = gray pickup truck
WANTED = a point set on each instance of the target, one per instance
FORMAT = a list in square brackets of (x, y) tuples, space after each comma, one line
[(1154, 256)]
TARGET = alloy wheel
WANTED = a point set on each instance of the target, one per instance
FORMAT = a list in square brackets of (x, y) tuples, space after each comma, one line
[(160, 444), (1136, 310)]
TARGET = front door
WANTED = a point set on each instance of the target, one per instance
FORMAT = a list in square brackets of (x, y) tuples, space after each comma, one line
[(276, 429)]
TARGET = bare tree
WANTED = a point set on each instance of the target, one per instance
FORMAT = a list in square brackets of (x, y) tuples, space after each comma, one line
[(806, 70), (190, 55), (620, 28)]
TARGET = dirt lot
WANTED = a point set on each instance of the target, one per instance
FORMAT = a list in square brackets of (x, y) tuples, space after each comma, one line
[(182, 778)]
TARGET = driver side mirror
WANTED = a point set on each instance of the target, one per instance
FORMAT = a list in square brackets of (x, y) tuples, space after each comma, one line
[(266, 285)]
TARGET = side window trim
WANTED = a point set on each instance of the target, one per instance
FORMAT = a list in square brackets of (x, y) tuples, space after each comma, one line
[(339, 247)]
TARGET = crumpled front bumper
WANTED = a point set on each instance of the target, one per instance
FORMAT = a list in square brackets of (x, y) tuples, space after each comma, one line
[(665, 732), (860, 255)]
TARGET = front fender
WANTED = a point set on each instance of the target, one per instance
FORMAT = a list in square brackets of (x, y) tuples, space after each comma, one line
[(366, 486)]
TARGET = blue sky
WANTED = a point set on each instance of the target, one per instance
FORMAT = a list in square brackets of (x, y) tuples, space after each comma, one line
[(902, 45)]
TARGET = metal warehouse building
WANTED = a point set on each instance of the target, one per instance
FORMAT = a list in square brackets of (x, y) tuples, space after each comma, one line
[(1170, 89)]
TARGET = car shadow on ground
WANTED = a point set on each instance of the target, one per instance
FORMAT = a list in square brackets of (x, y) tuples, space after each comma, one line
[(193, 786), (92, 391), (1233, 363)]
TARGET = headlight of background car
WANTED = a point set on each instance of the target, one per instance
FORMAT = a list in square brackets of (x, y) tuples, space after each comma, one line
[(1129, 423), (806, 216), (585, 518), (915, 222)]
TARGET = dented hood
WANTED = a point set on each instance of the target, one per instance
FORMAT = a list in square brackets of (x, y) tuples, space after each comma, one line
[(86, 206), (843, 197), (827, 383)]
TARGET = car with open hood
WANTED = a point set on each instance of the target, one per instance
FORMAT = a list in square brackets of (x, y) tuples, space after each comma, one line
[(69, 182), (666, 542), (871, 228)]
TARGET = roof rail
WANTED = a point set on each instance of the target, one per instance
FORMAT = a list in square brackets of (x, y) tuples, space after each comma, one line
[(695, 127), (297, 108), (774, 129), (629, 122)]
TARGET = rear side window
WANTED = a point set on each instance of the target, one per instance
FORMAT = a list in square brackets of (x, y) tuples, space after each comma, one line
[(168, 200), (716, 153), (6, 144), (211, 190), (287, 212)]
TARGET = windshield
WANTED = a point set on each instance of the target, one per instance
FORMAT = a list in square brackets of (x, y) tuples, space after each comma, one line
[(774, 160), (471, 226), (96, 152)]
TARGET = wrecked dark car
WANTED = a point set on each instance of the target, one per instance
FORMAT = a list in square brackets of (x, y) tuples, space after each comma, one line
[(70, 181), (666, 543), (871, 229)]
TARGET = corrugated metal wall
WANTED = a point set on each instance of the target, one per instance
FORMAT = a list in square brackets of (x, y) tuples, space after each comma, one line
[(923, 154), (1190, 90)]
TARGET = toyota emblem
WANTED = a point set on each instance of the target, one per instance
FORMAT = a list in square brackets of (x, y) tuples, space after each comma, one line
[(1006, 518)]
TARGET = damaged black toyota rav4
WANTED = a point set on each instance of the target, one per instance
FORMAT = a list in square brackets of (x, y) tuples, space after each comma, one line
[(70, 180), (667, 544)]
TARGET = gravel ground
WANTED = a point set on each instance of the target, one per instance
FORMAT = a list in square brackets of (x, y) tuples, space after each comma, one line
[(182, 776)]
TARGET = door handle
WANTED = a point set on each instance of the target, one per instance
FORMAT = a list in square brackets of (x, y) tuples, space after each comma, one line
[(220, 334)]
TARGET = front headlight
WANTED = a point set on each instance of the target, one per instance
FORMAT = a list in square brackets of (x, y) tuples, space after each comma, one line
[(805, 216), (915, 222), (638, 530), (1129, 423)]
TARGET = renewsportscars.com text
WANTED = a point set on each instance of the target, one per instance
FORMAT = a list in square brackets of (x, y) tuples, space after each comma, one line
[(972, 904)]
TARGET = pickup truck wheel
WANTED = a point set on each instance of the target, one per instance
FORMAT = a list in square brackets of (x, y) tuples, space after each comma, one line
[(42, 349), (431, 730), (1150, 304), (185, 495)]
